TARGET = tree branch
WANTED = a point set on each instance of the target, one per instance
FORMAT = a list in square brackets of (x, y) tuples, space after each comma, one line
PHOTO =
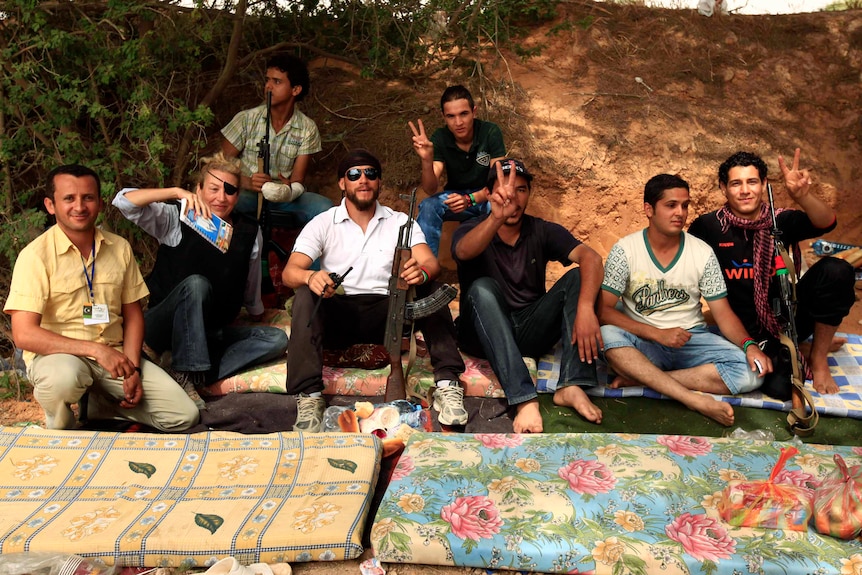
[(226, 74), (7, 171), (246, 60)]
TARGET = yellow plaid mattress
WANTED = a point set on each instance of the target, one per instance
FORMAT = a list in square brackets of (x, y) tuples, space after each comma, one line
[(145, 500)]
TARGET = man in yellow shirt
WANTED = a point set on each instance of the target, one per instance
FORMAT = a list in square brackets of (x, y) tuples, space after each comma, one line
[(75, 303)]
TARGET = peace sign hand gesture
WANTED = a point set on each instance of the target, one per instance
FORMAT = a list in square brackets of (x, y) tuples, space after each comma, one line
[(796, 181), (503, 203), (423, 146)]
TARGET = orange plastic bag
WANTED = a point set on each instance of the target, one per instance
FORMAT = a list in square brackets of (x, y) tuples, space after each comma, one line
[(838, 502), (765, 503)]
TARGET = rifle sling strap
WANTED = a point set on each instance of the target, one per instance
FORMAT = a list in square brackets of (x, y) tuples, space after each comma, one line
[(791, 269), (800, 421)]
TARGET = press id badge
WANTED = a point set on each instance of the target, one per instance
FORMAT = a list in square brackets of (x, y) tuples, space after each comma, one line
[(95, 313)]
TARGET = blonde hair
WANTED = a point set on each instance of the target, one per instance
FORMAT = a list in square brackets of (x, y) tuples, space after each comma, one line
[(219, 162)]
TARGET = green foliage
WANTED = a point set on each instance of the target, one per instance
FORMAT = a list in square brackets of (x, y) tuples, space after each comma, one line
[(111, 85), (585, 22), (525, 53), (122, 85), (19, 231), (128, 87), (13, 384), (842, 5)]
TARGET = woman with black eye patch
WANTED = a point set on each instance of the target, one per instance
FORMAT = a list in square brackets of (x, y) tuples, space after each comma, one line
[(196, 291)]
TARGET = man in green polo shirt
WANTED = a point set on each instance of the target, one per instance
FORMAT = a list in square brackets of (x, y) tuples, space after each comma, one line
[(466, 148)]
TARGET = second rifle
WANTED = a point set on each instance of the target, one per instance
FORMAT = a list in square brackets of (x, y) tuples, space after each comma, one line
[(264, 150), (801, 423)]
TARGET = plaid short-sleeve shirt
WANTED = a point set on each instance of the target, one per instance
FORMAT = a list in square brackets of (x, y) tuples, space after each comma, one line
[(299, 137)]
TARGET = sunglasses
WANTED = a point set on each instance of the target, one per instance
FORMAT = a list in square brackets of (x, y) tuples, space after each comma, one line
[(229, 188), (354, 174)]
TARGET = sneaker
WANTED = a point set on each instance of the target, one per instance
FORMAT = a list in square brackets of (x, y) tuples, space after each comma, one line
[(309, 417), (449, 403), (190, 381)]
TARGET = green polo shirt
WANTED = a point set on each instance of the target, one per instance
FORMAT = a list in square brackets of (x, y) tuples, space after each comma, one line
[(468, 170)]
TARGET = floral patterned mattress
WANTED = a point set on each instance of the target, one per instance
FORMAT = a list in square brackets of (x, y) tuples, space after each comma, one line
[(597, 503), (479, 380), (143, 500)]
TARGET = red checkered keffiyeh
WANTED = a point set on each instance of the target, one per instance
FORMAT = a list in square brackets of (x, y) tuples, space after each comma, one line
[(764, 267)]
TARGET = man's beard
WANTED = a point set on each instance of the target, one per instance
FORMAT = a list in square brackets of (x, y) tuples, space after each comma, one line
[(362, 205)]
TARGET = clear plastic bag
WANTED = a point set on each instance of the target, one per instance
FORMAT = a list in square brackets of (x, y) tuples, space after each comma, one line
[(44, 563), (755, 434), (838, 502)]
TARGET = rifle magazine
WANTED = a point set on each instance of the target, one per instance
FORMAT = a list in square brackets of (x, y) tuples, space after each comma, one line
[(430, 304)]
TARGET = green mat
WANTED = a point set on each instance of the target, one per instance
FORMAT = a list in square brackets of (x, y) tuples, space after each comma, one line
[(656, 416)]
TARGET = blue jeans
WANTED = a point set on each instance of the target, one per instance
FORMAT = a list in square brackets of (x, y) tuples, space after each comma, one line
[(704, 347), (179, 323), (305, 207), (506, 336), (433, 212)]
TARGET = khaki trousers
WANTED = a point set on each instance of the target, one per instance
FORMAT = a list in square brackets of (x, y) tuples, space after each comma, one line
[(60, 380)]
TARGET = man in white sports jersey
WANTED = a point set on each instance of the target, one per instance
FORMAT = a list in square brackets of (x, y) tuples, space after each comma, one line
[(658, 337)]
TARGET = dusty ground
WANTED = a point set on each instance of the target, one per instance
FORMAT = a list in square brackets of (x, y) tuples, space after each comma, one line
[(593, 134)]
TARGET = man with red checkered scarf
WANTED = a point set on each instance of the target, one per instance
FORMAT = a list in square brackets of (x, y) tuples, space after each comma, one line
[(740, 235)]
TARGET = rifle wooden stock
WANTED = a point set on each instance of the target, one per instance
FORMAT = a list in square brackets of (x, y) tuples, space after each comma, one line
[(398, 295), (395, 385), (396, 388)]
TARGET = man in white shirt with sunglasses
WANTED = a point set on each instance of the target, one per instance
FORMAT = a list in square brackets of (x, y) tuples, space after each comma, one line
[(360, 235)]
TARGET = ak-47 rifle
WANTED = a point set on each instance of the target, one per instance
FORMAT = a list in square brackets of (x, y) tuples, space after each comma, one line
[(399, 290), (801, 423), (403, 310), (263, 149)]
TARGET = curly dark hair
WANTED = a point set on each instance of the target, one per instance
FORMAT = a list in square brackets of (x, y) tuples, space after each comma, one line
[(741, 159)]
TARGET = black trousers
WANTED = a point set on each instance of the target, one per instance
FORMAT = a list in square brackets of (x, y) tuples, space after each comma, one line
[(345, 320), (824, 295)]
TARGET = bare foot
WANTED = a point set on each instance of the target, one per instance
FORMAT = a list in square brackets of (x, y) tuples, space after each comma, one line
[(823, 380), (712, 408), (573, 396), (620, 382), (528, 419), (835, 345)]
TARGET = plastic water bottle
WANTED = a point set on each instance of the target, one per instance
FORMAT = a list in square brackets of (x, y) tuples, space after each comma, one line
[(411, 414), (330, 417)]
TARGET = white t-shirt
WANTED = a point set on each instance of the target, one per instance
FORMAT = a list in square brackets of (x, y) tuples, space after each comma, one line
[(664, 297), (340, 243)]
